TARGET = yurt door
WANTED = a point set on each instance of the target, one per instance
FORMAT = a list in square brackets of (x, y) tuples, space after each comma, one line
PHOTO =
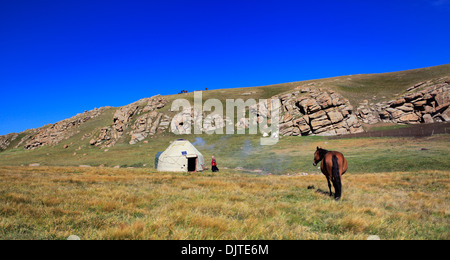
[(192, 164)]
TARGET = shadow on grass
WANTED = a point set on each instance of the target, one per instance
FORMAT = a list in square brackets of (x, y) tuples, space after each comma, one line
[(323, 192)]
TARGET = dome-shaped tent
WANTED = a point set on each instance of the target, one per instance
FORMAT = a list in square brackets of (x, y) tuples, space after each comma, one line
[(180, 156)]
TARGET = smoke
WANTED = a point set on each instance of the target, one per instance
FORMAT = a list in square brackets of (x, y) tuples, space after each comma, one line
[(248, 154), (247, 149), (260, 157), (199, 142)]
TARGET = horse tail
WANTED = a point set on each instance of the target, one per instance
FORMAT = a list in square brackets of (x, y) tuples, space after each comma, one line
[(337, 177)]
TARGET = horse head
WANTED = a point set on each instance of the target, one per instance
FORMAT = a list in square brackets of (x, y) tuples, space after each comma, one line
[(318, 155)]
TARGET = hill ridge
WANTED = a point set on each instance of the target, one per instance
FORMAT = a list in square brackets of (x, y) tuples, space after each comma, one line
[(335, 98)]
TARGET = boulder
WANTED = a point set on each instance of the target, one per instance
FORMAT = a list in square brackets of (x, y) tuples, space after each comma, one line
[(103, 138), (346, 110), (427, 96), (409, 118), (419, 103), (305, 90), (397, 102), (335, 116), (447, 113), (373, 237), (407, 107), (355, 130), (412, 96), (154, 103), (352, 121), (341, 131), (324, 100), (310, 105), (321, 114), (337, 99), (317, 124), (287, 131), (383, 114), (296, 131), (395, 113), (365, 111), (287, 117), (428, 109), (73, 238), (427, 118), (441, 118), (343, 124), (442, 107)]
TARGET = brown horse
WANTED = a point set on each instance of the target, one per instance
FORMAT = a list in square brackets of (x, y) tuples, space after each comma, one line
[(333, 166)]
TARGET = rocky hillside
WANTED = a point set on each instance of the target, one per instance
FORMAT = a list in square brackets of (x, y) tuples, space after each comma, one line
[(317, 112), (325, 112), (321, 107), (141, 118), (425, 102)]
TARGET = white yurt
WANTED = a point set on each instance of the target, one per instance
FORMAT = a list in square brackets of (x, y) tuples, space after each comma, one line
[(180, 156)]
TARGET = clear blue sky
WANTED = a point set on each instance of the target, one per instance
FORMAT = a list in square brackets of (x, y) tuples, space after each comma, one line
[(59, 58)]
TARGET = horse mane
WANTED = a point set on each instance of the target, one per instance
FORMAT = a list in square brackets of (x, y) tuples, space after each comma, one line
[(322, 152)]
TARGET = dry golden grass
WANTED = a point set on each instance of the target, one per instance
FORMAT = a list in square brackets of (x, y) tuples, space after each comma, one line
[(95, 203)]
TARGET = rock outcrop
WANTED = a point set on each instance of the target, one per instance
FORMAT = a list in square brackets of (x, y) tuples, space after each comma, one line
[(424, 103), (104, 138), (147, 125), (303, 113), (186, 121), (122, 119), (315, 112), (151, 122), (55, 133), (148, 122), (5, 140)]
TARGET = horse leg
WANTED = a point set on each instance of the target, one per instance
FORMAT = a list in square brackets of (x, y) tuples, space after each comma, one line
[(337, 190), (329, 186), (336, 178)]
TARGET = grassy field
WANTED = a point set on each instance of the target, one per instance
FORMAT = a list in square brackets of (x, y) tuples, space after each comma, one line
[(291, 154), (394, 189), (55, 202)]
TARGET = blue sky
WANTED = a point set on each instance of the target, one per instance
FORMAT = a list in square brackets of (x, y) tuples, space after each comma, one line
[(60, 58)]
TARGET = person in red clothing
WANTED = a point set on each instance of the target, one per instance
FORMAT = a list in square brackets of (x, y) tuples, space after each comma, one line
[(214, 165)]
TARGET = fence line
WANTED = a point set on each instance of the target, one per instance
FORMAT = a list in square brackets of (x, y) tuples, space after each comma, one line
[(420, 130)]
